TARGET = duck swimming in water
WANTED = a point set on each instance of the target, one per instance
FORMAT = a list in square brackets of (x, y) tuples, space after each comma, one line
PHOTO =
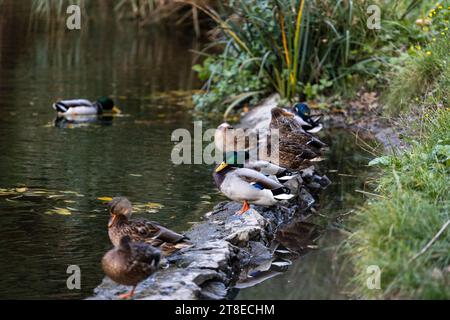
[(130, 263), (85, 107), (249, 186), (141, 230)]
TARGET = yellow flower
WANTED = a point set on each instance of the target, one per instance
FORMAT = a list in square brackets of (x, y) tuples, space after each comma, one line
[(428, 53), (440, 7), (434, 39)]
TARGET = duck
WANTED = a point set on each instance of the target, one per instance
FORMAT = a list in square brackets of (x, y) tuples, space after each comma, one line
[(308, 122), (296, 148), (85, 107), (249, 186), (244, 159), (130, 262), (229, 139), (150, 232)]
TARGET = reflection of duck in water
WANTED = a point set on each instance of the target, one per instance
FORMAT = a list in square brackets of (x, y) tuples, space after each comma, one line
[(79, 112), (71, 121)]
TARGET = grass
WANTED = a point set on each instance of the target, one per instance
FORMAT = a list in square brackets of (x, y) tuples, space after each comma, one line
[(177, 13), (405, 231), (413, 206), (425, 76)]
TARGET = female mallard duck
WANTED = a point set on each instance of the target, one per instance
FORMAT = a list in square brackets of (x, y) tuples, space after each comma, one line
[(296, 147), (130, 263), (150, 232), (229, 139), (308, 122), (249, 186), (85, 107)]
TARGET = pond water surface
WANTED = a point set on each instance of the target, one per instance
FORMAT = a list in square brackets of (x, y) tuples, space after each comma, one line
[(51, 178)]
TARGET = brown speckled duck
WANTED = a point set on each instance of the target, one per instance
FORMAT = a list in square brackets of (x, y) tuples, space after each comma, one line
[(296, 147), (130, 263), (149, 232)]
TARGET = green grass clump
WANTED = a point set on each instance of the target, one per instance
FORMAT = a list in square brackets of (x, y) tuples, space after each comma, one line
[(413, 206)]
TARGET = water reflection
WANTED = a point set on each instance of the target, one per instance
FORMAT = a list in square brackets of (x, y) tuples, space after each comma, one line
[(321, 274)]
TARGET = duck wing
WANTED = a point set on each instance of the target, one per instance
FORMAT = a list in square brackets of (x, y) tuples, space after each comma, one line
[(154, 232), (252, 176), (264, 167), (143, 261)]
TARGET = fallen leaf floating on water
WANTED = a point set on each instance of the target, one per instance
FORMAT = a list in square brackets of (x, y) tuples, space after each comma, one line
[(105, 199), (53, 196), (60, 211), (22, 189), (154, 205)]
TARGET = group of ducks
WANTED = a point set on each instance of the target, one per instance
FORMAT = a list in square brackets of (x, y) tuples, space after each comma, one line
[(260, 181), (140, 245)]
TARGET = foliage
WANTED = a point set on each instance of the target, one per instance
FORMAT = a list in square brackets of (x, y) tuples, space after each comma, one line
[(426, 73), (393, 229), (332, 45)]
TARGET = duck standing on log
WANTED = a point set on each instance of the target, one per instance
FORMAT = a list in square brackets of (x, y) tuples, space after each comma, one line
[(129, 263), (120, 225), (297, 148), (249, 186)]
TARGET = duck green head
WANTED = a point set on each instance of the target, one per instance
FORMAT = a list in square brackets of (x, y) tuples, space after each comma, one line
[(302, 109), (236, 158), (108, 105)]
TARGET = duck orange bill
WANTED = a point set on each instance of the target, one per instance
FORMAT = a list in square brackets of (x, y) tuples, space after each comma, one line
[(112, 220)]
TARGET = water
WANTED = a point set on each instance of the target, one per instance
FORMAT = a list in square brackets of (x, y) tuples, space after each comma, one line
[(129, 156), (323, 274), (51, 178)]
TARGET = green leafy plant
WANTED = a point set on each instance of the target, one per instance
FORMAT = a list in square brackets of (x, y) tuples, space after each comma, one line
[(296, 44)]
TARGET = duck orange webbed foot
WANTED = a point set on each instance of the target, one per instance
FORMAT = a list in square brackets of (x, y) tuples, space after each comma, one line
[(127, 295), (244, 209)]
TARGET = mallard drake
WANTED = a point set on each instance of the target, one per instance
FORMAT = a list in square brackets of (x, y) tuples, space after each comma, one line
[(309, 123), (129, 263), (120, 225), (85, 107), (296, 147), (248, 186), (242, 159)]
